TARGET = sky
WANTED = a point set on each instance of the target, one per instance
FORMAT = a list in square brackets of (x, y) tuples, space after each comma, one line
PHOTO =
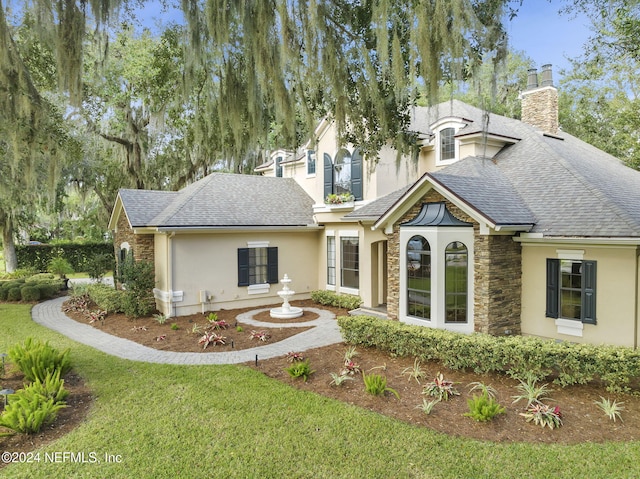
[(546, 36), (538, 30)]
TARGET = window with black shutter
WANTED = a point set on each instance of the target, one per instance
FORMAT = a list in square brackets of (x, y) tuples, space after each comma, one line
[(257, 266), (571, 290)]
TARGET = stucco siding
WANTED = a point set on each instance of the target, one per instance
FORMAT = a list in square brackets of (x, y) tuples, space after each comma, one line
[(616, 294), (209, 262)]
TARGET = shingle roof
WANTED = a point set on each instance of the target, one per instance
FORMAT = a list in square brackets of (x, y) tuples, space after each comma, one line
[(567, 186), (375, 209), (224, 200), (482, 185)]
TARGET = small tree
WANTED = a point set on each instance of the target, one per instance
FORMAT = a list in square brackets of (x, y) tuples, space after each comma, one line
[(98, 265), (60, 266), (138, 281)]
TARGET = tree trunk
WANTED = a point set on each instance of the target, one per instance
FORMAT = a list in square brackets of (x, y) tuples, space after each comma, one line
[(9, 246)]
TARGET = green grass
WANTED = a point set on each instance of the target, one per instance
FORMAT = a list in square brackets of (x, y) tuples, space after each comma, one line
[(230, 421)]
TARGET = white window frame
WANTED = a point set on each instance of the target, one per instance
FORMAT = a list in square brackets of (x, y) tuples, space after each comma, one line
[(261, 288), (347, 234), (456, 125)]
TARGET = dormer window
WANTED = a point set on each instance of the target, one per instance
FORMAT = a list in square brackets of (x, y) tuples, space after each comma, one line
[(446, 145), (343, 174)]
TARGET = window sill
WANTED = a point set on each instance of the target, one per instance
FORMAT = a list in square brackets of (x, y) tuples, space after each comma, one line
[(355, 292), (570, 327), (258, 288)]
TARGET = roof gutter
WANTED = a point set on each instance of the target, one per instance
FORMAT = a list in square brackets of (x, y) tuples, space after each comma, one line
[(237, 229), (542, 240)]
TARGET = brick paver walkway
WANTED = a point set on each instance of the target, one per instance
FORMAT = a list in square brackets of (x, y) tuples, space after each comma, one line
[(324, 333)]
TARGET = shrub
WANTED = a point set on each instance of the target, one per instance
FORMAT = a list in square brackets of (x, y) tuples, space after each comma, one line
[(300, 369), (138, 278), (543, 415), (30, 293), (28, 411), (568, 363), (14, 294), (37, 359), (40, 277), (483, 407), (106, 297), (52, 387), (60, 266), (440, 388), (336, 300), (47, 290), (3, 294), (97, 265), (376, 384)]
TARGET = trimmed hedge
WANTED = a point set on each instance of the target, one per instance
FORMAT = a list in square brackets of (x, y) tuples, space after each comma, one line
[(106, 297), (330, 298), (519, 356), (37, 287), (30, 293), (79, 255)]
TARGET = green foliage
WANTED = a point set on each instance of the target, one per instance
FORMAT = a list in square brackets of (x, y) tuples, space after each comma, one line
[(174, 326), (337, 300), (28, 411), (376, 384), (30, 293), (300, 369), (37, 257), (482, 407), (60, 266), (483, 388), (415, 372), (14, 294), (427, 406), (543, 415), (37, 359), (106, 297), (52, 387), (531, 392), (612, 409), (520, 356), (441, 388), (97, 265), (338, 379), (160, 318), (138, 278)]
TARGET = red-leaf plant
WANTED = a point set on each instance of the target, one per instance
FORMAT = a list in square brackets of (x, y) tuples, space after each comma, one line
[(261, 335), (211, 338)]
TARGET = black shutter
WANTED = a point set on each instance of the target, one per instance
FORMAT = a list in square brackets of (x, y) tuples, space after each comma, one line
[(553, 278), (589, 292), (328, 175), (272, 265), (243, 266), (356, 175)]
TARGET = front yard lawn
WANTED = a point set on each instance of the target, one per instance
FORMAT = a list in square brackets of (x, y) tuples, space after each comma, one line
[(163, 421)]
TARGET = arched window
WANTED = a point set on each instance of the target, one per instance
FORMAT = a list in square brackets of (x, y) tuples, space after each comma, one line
[(419, 278), (342, 172), (447, 144), (456, 282)]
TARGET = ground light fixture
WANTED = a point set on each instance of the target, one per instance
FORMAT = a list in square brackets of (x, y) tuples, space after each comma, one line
[(5, 393), (4, 356)]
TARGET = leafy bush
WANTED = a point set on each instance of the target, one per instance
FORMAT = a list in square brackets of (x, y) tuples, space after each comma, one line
[(48, 290), (138, 278), (39, 277), (330, 298), (28, 411), (3, 294), (376, 384), (568, 363), (440, 388), (482, 407), (52, 387), (30, 293), (37, 359), (97, 265), (106, 297), (14, 294), (300, 369), (60, 266), (36, 258), (543, 415)]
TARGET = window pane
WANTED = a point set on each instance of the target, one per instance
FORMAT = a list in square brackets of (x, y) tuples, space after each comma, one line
[(258, 265), (447, 144), (456, 282), (419, 278), (342, 172), (350, 262), (570, 289), (311, 162), (331, 260)]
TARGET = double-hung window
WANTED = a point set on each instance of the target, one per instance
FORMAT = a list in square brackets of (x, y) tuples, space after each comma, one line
[(331, 260), (571, 290), (257, 265), (350, 262)]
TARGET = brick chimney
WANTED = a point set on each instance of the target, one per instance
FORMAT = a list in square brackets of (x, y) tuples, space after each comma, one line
[(540, 102)]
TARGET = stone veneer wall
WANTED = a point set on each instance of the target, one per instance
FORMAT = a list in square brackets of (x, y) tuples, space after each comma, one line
[(497, 269), (540, 109), (141, 244)]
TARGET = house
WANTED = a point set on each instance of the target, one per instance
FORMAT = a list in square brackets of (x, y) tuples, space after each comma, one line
[(498, 226)]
